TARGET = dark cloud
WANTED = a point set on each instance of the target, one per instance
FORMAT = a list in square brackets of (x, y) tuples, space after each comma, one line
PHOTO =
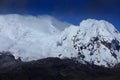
[(65, 6), (104, 5), (8, 6), (12, 3)]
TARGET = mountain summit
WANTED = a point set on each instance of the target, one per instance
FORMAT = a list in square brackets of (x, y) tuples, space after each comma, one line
[(31, 38)]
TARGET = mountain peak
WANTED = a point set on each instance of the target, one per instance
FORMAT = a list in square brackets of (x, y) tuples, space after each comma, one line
[(97, 24), (94, 41), (99, 27)]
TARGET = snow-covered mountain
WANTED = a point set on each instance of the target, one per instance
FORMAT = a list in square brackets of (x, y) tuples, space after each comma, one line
[(32, 38), (94, 41)]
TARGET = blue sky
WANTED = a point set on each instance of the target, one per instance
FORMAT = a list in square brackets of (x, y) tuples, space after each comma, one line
[(72, 11)]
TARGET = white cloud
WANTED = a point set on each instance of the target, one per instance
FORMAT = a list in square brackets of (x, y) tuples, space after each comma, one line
[(28, 36)]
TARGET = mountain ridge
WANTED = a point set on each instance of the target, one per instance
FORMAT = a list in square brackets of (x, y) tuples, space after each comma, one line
[(32, 38)]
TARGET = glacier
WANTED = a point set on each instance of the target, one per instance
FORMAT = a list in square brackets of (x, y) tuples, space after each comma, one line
[(33, 38)]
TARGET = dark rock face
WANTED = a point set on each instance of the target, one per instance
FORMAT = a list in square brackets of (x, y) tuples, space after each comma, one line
[(54, 69), (7, 61), (115, 44)]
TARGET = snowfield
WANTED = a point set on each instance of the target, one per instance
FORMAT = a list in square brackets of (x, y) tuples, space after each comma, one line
[(32, 38)]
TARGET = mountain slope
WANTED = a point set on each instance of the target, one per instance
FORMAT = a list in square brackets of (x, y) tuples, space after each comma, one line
[(32, 38)]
